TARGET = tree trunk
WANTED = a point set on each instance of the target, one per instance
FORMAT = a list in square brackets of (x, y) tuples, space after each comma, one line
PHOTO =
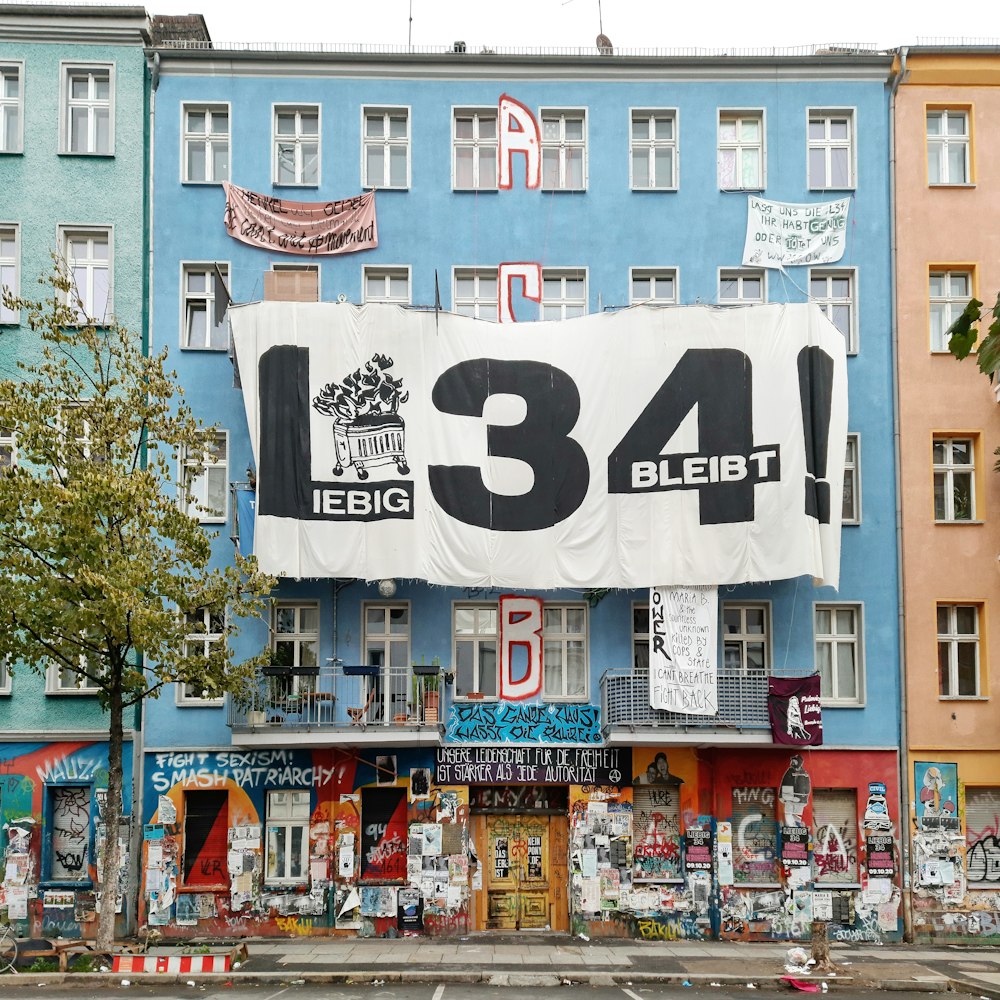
[(820, 947), (111, 817)]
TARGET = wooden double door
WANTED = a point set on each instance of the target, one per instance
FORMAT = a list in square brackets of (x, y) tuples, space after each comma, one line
[(525, 872)]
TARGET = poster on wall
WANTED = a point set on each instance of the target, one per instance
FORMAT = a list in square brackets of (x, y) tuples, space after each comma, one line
[(937, 796), (383, 834), (683, 649), (793, 707), (698, 850), (396, 443), (879, 851), (783, 235), (794, 846)]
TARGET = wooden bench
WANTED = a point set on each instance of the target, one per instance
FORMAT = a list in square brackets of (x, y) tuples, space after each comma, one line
[(62, 950)]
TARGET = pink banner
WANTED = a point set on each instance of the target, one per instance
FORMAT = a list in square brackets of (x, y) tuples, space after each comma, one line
[(313, 228)]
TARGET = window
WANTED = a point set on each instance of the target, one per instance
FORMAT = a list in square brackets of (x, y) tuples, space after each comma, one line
[(8, 450), (77, 434), (475, 650), (295, 635), (206, 143), (564, 651), (564, 293), (654, 286), (200, 330), (831, 149), (833, 292), (564, 150), (70, 826), (10, 277), (387, 284), (475, 150), (205, 629), (950, 292), (745, 638), (5, 676), (292, 283), (741, 287), (948, 147), (386, 148), (88, 125), (839, 652), (89, 259), (205, 478), (476, 292), (62, 680), (982, 848), (287, 836), (851, 511), (206, 837), (654, 150), (958, 650), (296, 145), (387, 646), (741, 150), (954, 479), (755, 854), (640, 637), (11, 108), (835, 835)]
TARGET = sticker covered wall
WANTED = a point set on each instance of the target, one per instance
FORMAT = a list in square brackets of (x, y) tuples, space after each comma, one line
[(396, 443)]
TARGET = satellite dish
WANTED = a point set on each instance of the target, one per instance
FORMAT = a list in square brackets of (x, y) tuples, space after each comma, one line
[(604, 45)]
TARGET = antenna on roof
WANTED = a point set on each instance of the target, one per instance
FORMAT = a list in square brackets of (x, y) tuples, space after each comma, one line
[(604, 45)]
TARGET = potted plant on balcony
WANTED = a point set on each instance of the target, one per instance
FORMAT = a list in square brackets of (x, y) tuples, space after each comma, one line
[(430, 674)]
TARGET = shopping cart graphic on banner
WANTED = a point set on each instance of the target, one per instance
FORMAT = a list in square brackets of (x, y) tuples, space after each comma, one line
[(367, 428)]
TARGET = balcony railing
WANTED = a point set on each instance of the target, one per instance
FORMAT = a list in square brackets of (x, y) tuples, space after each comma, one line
[(742, 703), (340, 698)]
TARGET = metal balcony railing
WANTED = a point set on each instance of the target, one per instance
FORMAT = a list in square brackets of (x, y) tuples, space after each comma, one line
[(339, 698), (742, 703)]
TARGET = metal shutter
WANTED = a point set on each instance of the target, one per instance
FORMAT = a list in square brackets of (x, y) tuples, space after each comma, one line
[(982, 837), (835, 835)]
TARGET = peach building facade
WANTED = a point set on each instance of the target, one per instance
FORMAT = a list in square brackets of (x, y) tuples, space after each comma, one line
[(947, 247)]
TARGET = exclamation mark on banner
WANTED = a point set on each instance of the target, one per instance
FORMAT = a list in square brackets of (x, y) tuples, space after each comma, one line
[(816, 396)]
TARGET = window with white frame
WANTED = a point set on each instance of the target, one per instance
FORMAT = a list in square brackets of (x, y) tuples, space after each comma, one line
[(653, 285), (475, 640), (296, 145), (745, 638), (741, 150), (833, 292), (564, 651), (386, 147), (88, 110), (640, 636), (948, 147), (564, 293), (654, 150), (10, 271), (831, 149), (89, 258), (476, 292), (8, 450), (851, 503), (387, 646), (837, 632), (287, 836), (564, 150), (206, 143), (295, 634), (77, 431), (950, 292), (475, 148), (199, 331), (5, 676), (11, 108), (62, 679), (205, 479), (741, 286), (205, 632), (387, 284), (958, 650), (954, 479)]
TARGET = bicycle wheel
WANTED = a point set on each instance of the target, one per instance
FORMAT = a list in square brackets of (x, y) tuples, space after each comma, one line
[(8, 949)]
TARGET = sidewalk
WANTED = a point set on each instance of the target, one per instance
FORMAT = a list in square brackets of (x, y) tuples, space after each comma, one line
[(553, 959)]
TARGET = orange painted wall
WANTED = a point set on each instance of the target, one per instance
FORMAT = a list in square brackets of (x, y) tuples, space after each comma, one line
[(952, 563)]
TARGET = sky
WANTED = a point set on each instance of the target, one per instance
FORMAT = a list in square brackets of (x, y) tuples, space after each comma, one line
[(630, 24)]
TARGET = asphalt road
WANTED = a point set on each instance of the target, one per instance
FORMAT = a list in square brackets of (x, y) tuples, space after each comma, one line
[(27, 987)]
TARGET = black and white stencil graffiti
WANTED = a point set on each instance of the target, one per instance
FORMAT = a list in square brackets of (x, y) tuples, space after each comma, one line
[(794, 791)]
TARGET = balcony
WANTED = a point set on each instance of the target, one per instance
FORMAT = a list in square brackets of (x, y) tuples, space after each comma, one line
[(318, 706), (742, 719)]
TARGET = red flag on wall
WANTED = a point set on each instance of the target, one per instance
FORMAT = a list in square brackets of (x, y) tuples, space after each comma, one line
[(794, 709)]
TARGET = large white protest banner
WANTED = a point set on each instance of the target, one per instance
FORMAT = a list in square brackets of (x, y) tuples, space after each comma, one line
[(639, 448), (683, 649), (783, 235)]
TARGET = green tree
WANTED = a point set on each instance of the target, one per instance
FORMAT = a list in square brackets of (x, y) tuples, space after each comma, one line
[(964, 332), (105, 573)]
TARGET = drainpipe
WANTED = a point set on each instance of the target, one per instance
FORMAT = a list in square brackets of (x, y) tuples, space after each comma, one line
[(905, 838)]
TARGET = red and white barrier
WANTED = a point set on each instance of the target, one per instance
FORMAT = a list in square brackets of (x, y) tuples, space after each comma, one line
[(172, 963)]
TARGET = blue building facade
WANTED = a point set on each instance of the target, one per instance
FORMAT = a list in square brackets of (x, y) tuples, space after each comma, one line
[(73, 157), (377, 778)]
